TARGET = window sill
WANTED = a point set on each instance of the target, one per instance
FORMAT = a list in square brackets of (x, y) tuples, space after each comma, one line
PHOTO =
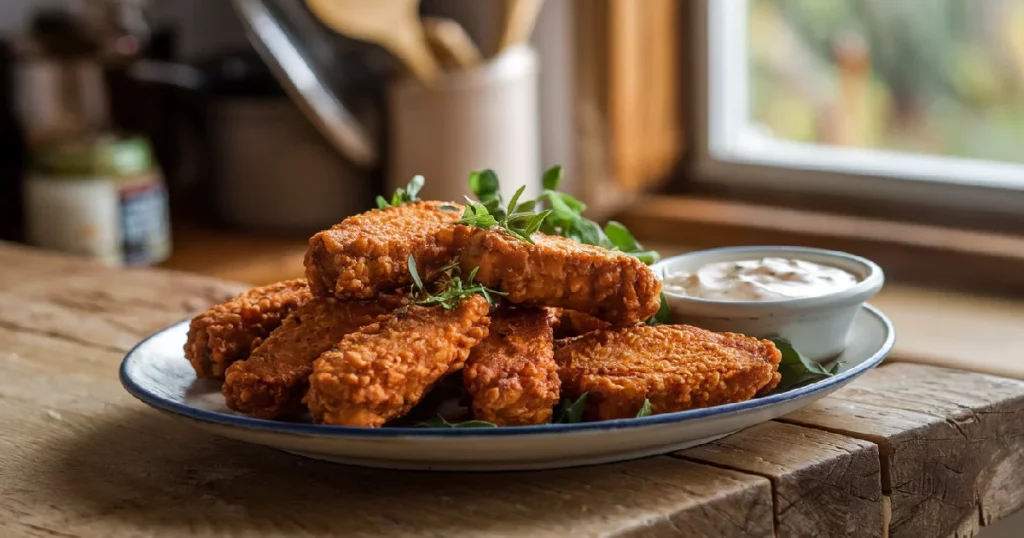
[(920, 254)]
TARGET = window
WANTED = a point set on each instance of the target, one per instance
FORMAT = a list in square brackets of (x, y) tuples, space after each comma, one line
[(912, 100)]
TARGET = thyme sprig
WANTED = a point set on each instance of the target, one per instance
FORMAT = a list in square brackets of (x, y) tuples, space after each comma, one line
[(452, 290)]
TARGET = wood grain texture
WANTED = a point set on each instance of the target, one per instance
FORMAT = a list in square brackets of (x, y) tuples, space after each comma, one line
[(824, 484), (80, 457), (951, 443)]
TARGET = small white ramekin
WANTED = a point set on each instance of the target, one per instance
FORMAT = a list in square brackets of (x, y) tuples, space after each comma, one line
[(816, 326)]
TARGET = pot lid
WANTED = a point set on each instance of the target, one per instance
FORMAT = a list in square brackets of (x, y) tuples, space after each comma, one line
[(272, 28)]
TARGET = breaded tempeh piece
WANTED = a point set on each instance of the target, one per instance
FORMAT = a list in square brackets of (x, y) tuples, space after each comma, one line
[(367, 254), (559, 272), (273, 380), (512, 376), (381, 372), (570, 323), (226, 333), (676, 367)]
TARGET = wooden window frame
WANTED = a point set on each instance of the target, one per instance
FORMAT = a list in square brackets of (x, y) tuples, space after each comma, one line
[(625, 151)]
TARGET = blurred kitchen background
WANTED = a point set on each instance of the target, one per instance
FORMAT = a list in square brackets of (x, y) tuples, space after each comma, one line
[(215, 135)]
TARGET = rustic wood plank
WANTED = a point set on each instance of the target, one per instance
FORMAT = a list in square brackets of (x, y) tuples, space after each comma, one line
[(95, 305), (951, 443), (80, 457), (824, 484), (129, 470)]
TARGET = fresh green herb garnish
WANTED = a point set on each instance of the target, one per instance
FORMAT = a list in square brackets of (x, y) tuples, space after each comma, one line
[(664, 314), (484, 184), (566, 219), (452, 291), (646, 410), (798, 370), (563, 215), (518, 220), (572, 412), (439, 422), (409, 194)]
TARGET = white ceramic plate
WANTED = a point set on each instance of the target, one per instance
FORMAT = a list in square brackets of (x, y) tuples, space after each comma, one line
[(157, 373)]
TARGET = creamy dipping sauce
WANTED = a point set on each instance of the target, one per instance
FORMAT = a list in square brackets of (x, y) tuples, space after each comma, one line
[(766, 279)]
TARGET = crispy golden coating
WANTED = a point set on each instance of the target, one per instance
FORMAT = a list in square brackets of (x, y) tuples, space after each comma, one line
[(676, 367), (559, 272), (227, 332), (569, 323), (367, 254), (273, 380), (382, 371), (512, 376)]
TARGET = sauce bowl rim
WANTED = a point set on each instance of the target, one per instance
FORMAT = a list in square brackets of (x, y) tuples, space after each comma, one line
[(869, 283)]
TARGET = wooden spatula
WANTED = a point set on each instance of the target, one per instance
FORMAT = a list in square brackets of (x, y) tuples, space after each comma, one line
[(520, 17), (451, 44), (392, 24)]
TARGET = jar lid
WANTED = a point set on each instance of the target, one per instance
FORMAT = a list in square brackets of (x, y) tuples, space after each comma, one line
[(107, 155)]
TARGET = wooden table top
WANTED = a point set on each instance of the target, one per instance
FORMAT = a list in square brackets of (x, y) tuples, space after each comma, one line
[(907, 450)]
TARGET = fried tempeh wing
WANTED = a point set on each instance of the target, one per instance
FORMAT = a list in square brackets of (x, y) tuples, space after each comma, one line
[(381, 372), (676, 367), (570, 323), (273, 380), (559, 272), (367, 254), (226, 333), (512, 376)]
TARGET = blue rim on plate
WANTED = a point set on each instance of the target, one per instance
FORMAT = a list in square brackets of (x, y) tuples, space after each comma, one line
[(240, 421)]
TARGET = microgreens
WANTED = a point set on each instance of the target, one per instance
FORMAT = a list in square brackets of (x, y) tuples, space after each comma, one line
[(566, 219), (798, 370), (452, 290), (517, 219), (439, 422), (572, 412), (645, 410), (409, 194), (664, 314)]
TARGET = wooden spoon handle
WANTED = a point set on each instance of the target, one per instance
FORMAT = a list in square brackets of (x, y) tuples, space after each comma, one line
[(414, 51), (451, 44), (520, 17)]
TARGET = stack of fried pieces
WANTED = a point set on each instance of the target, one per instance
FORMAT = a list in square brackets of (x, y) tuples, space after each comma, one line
[(349, 343)]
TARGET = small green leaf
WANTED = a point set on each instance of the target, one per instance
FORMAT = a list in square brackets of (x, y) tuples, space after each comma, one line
[(515, 198), (382, 203), (620, 237), (444, 207), (586, 231), (552, 177), (536, 223), (572, 412), (664, 314), (411, 262), (646, 410), (798, 370), (646, 256), (439, 422), (528, 206), (414, 187), (484, 183)]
